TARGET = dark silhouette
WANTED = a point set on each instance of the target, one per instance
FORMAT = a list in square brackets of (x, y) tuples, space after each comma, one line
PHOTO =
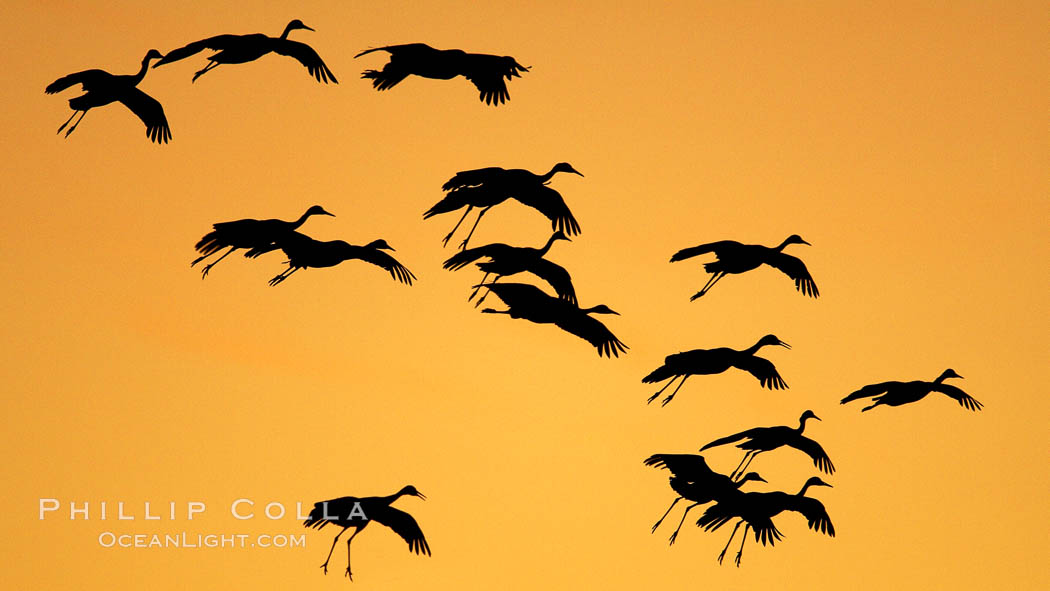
[(239, 49), (102, 88), (507, 260), (485, 71), (762, 439), (692, 479), (304, 252), (342, 512), (757, 511), (734, 257), (712, 361), (530, 303), (504, 177), (259, 236), (898, 393)]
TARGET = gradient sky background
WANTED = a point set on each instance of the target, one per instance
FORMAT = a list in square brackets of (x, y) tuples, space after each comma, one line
[(906, 141)]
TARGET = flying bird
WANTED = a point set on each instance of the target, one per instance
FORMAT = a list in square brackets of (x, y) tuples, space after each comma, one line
[(485, 71), (102, 88), (712, 361), (530, 303), (762, 439), (258, 236), (304, 252), (505, 177), (757, 510), (734, 257), (347, 512), (507, 260), (692, 479), (239, 49), (898, 393)]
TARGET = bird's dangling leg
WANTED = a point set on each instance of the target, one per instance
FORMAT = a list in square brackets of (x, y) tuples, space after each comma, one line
[(348, 573), (487, 292), (478, 288), (740, 473), (63, 126), (661, 390), (675, 534), (738, 466), (463, 245), (204, 271), (75, 123), (284, 275), (330, 550), (740, 552), (723, 554), (668, 399), (707, 286), (661, 520), (444, 242), (209, 67)]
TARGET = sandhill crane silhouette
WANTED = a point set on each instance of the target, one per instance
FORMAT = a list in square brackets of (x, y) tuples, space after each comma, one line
[(485, 71), (692, 479), (762, 439), (757, 511), (258, 236), (530, 303), (347, 512), (239, 49), (712, 361), (509, 178), (734, 257), (304, 252), (102, 88), (507, 260), (898, 393)]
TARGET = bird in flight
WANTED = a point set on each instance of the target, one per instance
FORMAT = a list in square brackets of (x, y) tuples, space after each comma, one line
[(507, 260), (304, 252), (355, 512), (102, 88), (734, 257), (239, 49), (485, 71), (761, 439), (898, 393)]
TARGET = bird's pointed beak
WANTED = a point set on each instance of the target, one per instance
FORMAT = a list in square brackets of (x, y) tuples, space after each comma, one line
[(783, 344), (421, 495), (329, 213), (760, 479), (816, 417), (309, 28), (577, 172), (806, 243)]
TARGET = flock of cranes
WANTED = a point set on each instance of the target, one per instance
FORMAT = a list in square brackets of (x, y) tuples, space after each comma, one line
[(691, 476)]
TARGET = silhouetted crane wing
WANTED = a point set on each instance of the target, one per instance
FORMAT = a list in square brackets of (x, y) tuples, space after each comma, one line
[(794, 268), (487, 72), (403, 60), (591, 330), (814, 512), (815, 451), (403, 525), (693, 251), (331, 511), (149, 111), (382, 259), (871, 390), (218, 43), (307, 57), (691, 467), (764, 370), (519, 295), (470, 178), (721, 513), (964, 399), (87, 77), (556, 276), (550, 203), (465, 257), (749, 434)]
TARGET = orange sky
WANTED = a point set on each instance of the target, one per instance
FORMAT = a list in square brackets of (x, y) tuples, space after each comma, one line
[(906, 141)]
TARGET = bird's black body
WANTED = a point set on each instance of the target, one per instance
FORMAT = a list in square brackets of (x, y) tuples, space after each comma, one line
[(486, 72), (504, 260), (239, 49), (712, 361), (304, 252), (734, 257), (355, 512), (102, 88), (900, 393), (762, 439), (530, 303)]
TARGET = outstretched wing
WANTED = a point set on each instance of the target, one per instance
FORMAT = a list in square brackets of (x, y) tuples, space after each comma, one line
[(465, 257), (593, 331), (87, 78), (794, 268), (815, 451), (402, 61), (693, 251), (149, 111), (470, 178), (964, 399), (218, 42), (765, 371), (487, 72), (691, 467), (814, 512), (750, 433), (382, 259), (307, 57), (550, 203), (869, 391), (556, 276), (403, 525)]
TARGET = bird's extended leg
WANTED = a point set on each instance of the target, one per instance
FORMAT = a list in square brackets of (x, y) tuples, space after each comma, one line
[(668, 399), (661, 520), (478, 288), (63, 126), (738, 466), (348, 573), (740, 552), (209, 67), (487, 292), (675, 534), (444, 242), (330, 550), (75, 123), (204, 271), (723, 554), (707, 286), (284, 275), (661, 391), (463, 245), (740, 472)]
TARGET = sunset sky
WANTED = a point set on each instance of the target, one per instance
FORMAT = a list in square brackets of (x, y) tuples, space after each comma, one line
[(907, 141)]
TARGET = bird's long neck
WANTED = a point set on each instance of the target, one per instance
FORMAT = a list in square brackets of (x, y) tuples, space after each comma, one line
[(287, 29), (546, 247), (941, 378), (391, 498), (802, 423), (302, 220), (549, 175), (142, 72), (782, 245), (802, 492), (754, 348)]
